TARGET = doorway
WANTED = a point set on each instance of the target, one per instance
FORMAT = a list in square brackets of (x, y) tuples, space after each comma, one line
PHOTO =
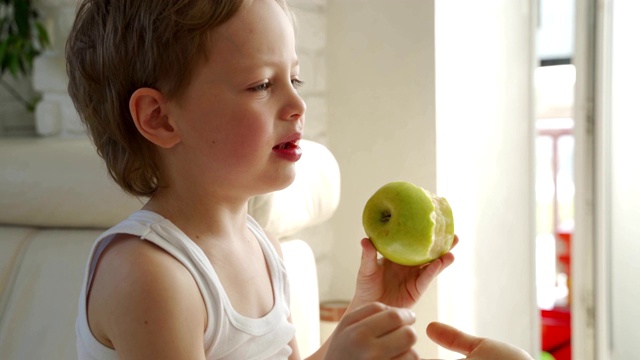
[(554, 81)]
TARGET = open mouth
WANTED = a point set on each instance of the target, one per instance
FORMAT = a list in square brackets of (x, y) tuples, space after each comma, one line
[(288, 150), (291, 145)]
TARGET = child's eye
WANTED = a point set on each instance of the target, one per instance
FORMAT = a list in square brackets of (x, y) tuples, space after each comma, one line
[(262, 87), (297, 83)]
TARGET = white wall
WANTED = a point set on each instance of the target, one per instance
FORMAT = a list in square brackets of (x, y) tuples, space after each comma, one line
[(14, 118), (605, 264), (484, 65), (55, 114), (625, 181), (381, 123)]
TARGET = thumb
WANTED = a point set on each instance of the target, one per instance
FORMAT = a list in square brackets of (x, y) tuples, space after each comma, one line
[(369, 259), (361, 313), (452, 339)]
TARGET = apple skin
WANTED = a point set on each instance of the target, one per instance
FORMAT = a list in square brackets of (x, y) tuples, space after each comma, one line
[(407, 224)]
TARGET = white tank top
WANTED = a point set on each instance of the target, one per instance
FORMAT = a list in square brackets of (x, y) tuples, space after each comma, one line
[(229, 335)]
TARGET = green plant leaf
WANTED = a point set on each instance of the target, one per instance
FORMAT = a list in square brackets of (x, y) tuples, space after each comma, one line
[(14, 66), (43, 35), (21, 16), (3, 50), (22, 38), (3, 23), (31, 106)]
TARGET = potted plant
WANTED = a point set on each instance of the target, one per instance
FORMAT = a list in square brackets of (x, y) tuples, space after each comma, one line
[(22, 38)]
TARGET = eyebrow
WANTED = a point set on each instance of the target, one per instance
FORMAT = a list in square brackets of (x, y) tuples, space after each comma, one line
[(266, 60)]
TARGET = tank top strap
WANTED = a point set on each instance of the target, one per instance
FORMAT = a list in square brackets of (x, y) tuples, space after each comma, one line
[(275, 261)]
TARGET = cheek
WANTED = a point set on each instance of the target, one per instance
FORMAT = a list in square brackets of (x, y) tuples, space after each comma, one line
[(229, 127), (243, 134)]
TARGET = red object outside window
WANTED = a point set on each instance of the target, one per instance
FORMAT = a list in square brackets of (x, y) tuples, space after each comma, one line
[(556, 333)]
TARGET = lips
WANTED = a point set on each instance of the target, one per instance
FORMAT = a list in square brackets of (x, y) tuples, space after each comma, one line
[(289, 149), (286, 146)]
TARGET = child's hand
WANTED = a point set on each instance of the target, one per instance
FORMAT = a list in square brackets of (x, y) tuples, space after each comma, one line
[(374, 331), (473, 347), (392, 284)]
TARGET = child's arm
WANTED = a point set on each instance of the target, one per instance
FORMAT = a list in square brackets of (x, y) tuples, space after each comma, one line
[(381, 282), (145, 304), (375, 331), (370, 329)]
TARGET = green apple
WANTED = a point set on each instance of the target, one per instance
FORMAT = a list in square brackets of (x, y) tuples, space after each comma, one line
[(408, 224)]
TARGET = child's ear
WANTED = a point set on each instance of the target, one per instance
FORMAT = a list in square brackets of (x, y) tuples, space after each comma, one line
[(148, 110)]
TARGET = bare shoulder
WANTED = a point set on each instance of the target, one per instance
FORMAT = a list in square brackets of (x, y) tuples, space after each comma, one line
[(275, 242), (145, 303)]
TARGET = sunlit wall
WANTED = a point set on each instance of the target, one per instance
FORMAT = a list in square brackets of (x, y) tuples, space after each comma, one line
[(625, 180), (484, 67)]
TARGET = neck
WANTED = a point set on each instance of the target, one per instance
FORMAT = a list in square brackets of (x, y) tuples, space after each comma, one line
[(202, 216)]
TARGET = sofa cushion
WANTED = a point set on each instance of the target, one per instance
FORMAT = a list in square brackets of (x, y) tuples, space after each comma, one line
[(39, 316), (300, 263), (310, 200), (13, 241), (52, 182)]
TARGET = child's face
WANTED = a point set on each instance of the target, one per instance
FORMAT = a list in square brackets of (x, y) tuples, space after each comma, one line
[(242, 103)]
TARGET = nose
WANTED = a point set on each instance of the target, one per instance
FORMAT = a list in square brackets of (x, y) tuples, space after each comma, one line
[(295, 106)]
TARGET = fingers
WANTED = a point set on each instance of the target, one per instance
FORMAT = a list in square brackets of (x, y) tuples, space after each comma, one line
[(431, 270), (361, 313), (380, 318), (393, 333), (445, 260), (455, 241), (476, 347), (448, 258), (409, 355), (369, 259), (398, 344), (452, 338), (377, 331), (388, 321)]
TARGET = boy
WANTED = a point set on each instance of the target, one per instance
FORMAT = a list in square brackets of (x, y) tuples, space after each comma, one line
[(193, 104)]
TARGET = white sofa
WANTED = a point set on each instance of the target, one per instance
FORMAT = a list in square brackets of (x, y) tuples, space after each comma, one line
[(56, 198)]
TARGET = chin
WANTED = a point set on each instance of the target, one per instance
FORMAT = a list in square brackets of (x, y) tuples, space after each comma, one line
[(279, 182), (286, 182)]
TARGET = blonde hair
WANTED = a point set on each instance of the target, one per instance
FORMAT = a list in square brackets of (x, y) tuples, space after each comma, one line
[(118, 46)]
